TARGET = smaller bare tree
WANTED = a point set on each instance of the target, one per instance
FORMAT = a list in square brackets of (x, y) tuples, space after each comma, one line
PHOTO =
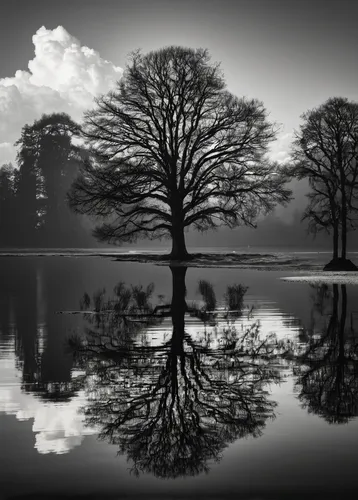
[(326, 151)]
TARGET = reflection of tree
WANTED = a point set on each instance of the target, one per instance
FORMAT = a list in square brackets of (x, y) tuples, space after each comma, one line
[(328, 368), (25, 319), (5, 303), (39, 349), (174, 406)]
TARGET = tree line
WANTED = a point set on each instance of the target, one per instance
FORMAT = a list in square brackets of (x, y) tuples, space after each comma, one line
[(33, 208), (170, 148)]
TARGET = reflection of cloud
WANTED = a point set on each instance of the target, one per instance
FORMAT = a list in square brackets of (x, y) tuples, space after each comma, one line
[(59, 427), (63, 77)]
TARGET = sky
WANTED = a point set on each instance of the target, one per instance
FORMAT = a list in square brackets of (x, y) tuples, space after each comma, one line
[(57, 56)]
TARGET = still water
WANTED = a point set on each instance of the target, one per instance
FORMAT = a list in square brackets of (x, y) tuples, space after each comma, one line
[(129, 380)]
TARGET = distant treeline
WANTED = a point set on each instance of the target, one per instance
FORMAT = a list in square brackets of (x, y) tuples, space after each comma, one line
[(33, 207)]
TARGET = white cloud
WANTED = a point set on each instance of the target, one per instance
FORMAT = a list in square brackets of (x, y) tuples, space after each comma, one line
[(280, 149), (63, 77)]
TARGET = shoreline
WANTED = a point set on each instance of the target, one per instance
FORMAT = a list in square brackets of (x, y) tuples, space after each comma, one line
[(265, 261), (260, 261)]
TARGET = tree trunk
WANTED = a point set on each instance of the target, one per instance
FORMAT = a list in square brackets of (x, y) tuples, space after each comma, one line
[(344, 231), (178, 309), (335, 240), (344, 205), (341, 407), (344, 307), (335, 302), (179, 251)]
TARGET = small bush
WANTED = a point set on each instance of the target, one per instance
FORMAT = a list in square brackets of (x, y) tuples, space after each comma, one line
[(234, 297), (206, 290)]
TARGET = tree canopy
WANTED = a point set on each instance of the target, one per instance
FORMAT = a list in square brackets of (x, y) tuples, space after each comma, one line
[(172, 148)]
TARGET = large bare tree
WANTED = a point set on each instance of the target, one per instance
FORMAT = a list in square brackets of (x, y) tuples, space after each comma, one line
[(170, 148)]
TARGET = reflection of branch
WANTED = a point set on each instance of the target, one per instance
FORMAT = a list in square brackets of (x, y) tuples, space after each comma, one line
[(328, 367), (173, 407), (187, 406)]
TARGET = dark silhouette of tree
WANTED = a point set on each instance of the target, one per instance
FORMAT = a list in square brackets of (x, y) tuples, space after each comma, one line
[(7, 204), (27, 192), (173, 407), (327, 369), (48, 163), (325, 151), (171, 148)]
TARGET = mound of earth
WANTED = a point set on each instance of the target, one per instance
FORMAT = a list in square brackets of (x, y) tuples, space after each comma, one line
[(236, 260), (340, 265)]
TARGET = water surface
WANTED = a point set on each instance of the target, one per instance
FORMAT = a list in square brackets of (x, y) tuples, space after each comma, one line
[(217, 391)]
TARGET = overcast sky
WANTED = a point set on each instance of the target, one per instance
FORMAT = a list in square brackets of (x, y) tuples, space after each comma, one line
[(293, 55)]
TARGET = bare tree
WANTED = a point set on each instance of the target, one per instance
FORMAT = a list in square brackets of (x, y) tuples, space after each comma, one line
[(172, 148), (326, 151)]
